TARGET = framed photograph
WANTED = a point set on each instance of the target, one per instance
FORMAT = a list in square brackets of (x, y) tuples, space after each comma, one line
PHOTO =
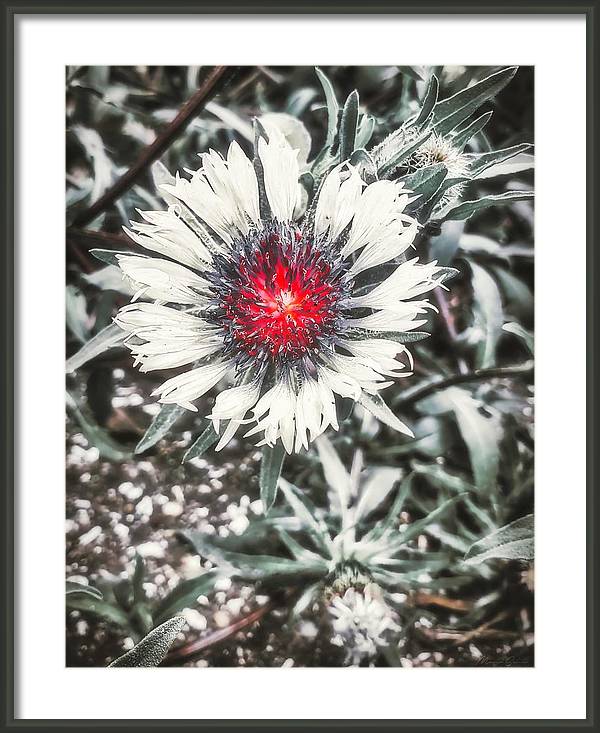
[(300, 303)]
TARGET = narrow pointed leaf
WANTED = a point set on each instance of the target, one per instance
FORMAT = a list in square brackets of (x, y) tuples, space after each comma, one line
[(160, 426), (332, 106), (465, 209), (86, 590), (185, 595), (202, 443), (451, 112), (153, 648), (515, 541), (348, 126), (429, 101), (270, 471), (108, 338)]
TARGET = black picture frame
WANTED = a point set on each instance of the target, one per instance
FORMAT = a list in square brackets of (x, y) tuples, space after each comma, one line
[(10, 337)]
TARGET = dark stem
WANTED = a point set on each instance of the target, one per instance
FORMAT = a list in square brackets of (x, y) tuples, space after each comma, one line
[(213, 81), (410, 396), (190, 651)]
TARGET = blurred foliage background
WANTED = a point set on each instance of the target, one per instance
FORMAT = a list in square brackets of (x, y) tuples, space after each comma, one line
[(470, 401)]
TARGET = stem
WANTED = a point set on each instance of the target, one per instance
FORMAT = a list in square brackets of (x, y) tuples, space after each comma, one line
[(213, 81), (190, 651), (410, 396)]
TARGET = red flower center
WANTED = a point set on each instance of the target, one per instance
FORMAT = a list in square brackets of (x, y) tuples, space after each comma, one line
[(284, 297)]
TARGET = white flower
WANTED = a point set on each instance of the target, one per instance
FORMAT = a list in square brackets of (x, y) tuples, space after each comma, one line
[(360, 620), (279, 309)]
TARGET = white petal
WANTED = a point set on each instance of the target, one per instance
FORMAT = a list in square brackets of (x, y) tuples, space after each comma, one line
[(163, 280), (189, 386), (281, 171)]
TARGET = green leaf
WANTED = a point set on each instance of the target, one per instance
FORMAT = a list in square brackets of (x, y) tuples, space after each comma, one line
[(429, 101), (349, 126), (445, 245), (416, 528), (153, 648), (86, 590), (487, 312), (425, 182), (97, 436), (270, 471), (305, 511), (103, 609), (517, 295), (160, 426), (522, 333), (451, 112), (77, 317), (185, 595), (480, 433), (202, 443), (462, 135), (480, 162), (376, 406), (465, 209), (110, 256), (405, 337), (517, 164), (515, 541), (332, 106), (139, 596), (254, 567), (109, 338)]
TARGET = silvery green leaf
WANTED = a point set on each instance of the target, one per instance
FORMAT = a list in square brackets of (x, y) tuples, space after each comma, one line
[(110, 256), (254, 567), (515, 541), (77, 317), (376, 406), (416, 528), (305, 511), (160, 426), (375, 488), (481, 433), (336, 476), (488, 314), (517, 295), (451, 112), (137, 581), (153, 648), (480, 162), (445, 245), (202, 443), (364, 132), (522, 333), (464, 133), (97, 436), (517, 164), (479, 245), (365, 165), (348, 126), (332, 106), (270, 471), (429, 101), (86, 590), (103, 609), (184, 595), (110, 278), (424, 183), (109, 338), (306, 598), (296, 550)]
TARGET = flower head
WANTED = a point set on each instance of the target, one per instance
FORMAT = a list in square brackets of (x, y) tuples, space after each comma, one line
[(252, 290)]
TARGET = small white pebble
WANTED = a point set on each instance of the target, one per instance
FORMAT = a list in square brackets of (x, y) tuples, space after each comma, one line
[(239, 525), (144, 507), (223, 583), (221, 619), (194, 619), (150, 549), (122, 531), (172, 509), (256, 507), (90, 536), (288, 662), (129, 491), (235, 605)]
